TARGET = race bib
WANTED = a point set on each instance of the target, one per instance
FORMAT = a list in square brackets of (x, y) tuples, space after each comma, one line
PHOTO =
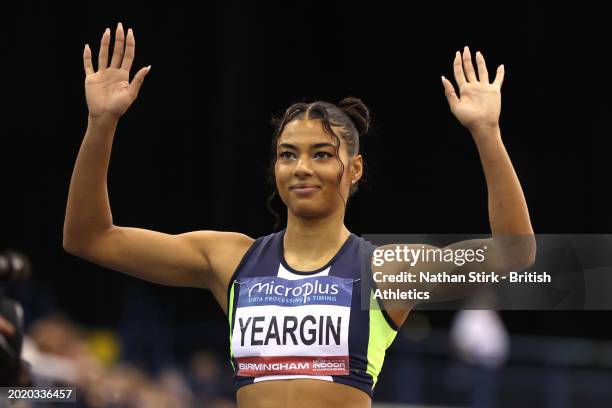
[(286, 326)]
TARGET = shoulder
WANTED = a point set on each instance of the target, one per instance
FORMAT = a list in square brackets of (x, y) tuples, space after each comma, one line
[(219, 244), (401, 246), (223, 252), (220, 237)]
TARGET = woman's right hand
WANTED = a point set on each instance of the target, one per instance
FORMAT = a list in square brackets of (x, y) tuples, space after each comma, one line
[(108, 91)]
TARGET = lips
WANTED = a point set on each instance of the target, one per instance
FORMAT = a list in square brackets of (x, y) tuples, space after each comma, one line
[(303, 185), (304, 188)]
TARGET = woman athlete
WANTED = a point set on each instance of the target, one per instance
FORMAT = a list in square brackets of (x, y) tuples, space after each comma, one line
[(298, 336)]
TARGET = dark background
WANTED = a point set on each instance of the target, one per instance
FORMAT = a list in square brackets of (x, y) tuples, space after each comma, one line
[(192, 152)]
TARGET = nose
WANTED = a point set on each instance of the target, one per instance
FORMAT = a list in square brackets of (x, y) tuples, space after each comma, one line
[(302, 168)]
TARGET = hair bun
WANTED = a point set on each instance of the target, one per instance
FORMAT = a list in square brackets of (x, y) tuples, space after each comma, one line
[(358, 112)]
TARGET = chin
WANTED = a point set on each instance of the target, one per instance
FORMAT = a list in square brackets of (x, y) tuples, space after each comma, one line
[(309, 210)]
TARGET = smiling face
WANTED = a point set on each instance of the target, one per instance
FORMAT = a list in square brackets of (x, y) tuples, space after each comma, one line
[(307, 169)]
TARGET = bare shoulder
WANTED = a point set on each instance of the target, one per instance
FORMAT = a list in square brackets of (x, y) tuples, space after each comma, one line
[(410, 246), (393, 256), (390, 265), (209, 239), (223, 251)]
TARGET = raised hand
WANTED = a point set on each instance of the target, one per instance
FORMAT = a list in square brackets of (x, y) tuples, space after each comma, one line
[(479, 102), (108, 91)]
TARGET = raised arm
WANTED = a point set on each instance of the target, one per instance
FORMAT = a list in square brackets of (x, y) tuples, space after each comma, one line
[(199, 259), (478, 109), (512, 246)]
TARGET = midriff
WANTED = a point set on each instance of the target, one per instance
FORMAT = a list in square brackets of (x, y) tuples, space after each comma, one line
[(301, 392)]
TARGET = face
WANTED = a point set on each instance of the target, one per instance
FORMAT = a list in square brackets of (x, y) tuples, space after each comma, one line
[(307, 170)]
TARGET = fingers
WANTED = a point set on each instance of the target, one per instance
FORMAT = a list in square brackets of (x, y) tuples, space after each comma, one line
[(483, 74), (464, 70), (87, 61), (136, 84), (449, 91), (458, 70), (119, 45), (467, 65), (130, 49), (103, 54), (499, 76)]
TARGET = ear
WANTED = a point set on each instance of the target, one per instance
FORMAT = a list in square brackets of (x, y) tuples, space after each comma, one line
[(356, 168)]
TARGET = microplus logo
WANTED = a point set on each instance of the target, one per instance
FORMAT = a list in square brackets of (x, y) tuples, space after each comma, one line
[(304, 290), (277, 291)]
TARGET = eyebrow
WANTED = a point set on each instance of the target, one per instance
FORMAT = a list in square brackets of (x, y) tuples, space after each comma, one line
[(314, 146)]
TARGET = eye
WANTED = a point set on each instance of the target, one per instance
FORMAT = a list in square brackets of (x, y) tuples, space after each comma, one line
[(286, 155), (323, 155)]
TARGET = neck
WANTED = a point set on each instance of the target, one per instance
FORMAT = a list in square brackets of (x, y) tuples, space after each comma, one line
[(312, 238)]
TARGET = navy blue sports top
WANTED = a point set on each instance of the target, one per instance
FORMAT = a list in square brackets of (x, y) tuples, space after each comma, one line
[(286, 324)]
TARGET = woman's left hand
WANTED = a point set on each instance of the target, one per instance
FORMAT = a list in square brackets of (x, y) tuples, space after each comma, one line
[(479, 102)]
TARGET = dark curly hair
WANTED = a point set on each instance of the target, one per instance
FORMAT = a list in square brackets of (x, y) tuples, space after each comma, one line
[(352, 119)]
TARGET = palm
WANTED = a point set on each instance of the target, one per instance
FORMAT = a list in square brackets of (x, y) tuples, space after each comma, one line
[(479, 103), (108, 91)]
